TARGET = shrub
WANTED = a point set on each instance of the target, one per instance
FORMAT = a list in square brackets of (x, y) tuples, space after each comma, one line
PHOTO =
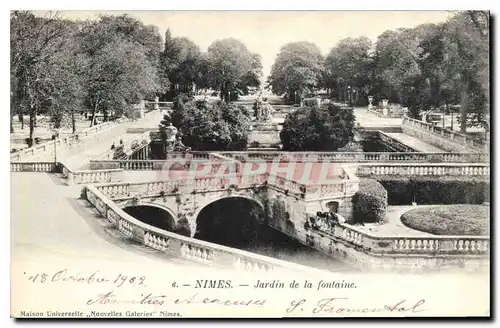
[(369, 202), (458, 220), (310, 102), (403, 190), (182, 228), (325, 128)]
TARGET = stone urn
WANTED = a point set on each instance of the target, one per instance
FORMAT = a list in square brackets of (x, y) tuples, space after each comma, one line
[(370, 101)]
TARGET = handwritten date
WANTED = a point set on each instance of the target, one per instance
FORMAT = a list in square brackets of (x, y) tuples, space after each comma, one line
[(64, 276)]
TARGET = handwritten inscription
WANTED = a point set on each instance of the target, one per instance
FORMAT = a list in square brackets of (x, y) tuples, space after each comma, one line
[(161, 299), (341, 306), (64, 276), (157, 300)]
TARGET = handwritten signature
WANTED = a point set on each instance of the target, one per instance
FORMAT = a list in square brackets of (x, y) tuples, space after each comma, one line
[(338, 305)]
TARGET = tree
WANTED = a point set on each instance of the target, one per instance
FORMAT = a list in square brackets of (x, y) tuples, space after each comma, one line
[(179, 62), (40, 47), (349, 65), (117, 69), (466, 61), (231, 66), (325, 128), (397, 55), (253, 77), (298, 68), (220, 126)]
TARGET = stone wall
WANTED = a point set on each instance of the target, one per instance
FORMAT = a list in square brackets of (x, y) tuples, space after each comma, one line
[(434, 140), (442, 138), (265, 134), (364, 260)]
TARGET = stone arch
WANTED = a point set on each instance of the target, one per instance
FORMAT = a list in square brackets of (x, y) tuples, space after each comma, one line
[(149, 213), (234, 224), (252, 199), (333, 206), (163, 207)]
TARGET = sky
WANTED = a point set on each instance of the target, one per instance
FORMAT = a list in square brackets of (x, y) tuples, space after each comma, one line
[(264, 32)]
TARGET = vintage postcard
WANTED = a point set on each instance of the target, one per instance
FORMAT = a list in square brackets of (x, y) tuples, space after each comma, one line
[(249, 164)]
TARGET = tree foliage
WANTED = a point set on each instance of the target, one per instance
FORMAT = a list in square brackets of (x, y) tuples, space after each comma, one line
[(119, 69), (429, 66), (298, 68), (180, 63), (41, 62), (202, 126), (369, 203), (349, 65), (325, 128), (232, 67)]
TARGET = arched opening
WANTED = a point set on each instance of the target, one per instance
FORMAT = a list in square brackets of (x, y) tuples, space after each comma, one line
[(236, 222), (333, 207), (153, 215), (233, 221)]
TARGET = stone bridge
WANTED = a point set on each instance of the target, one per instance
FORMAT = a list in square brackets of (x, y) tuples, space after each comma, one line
[(275, 197)]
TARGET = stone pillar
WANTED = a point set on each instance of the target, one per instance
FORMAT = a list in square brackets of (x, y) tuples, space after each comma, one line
[(142, 105), (385, 103)]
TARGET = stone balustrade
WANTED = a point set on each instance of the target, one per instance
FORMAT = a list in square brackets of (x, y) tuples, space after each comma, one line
[(208, 253), (33, 167), (473, 245), (123, 190), (390, 114), (359, 157), (141, 152), (184, 247), (424, 169), (47, 148), (342, 187), (90, 176), (200, 184), (438, 131), (288, 185), (96, 176)]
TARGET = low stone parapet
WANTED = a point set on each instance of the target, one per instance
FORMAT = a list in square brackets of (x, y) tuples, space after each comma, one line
[(33, 167), (443, 138), (424, 169), (185, 247), (349, 157)]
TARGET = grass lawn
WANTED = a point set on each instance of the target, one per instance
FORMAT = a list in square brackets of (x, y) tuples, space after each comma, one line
[(458, 220)]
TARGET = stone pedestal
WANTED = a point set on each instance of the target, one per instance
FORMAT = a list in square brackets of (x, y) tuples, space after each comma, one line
[(385, 109), (266, 134)]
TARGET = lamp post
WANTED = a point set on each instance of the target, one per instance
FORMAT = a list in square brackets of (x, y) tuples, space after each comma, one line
[(55, 135), (451, 111), (349, 95)]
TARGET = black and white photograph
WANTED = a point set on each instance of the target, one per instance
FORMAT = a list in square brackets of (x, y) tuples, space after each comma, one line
[(249, 164)]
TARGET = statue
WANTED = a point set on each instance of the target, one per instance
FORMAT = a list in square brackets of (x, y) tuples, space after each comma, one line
[(179, 146), (170, 136), (267, 112), (263, 110)]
